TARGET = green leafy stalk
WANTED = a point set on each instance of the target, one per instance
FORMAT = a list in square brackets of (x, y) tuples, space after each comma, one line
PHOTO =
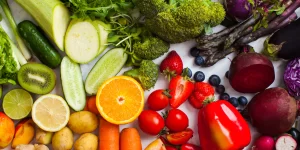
[(26, 53)]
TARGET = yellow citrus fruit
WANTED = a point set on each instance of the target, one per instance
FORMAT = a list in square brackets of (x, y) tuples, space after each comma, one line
[(50, 112), (120, 100)]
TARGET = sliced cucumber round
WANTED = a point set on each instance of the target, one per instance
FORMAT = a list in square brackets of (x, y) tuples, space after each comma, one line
[(107, 66), (72, 84), (82, 41), (103, 33)]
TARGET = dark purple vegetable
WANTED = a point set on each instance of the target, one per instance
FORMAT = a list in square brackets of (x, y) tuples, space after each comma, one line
[(273, 111), (292, 77), (288, 38), (238, 10)]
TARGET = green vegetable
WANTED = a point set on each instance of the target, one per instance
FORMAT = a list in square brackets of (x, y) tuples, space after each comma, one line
[(10, 59), (82, 41), (52, 16), (72, 84), (149, 48), (39, 44), (180, 20), (107, 66), (22, 47), (146, 74), (1, 91)]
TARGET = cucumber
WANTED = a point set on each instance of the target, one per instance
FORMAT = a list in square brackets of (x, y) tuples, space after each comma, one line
[(39, 44), (107, 66), (51, 15), (82, 41), (72, 84)]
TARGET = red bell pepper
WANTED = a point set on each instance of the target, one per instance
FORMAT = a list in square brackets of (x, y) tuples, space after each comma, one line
[(222, 127)]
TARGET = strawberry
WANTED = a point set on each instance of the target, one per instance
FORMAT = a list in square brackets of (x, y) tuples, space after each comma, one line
[(202, 92), (172, 65), (180, 89)]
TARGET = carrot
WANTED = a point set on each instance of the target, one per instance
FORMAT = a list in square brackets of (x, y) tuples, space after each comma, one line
[(91, 105), (130, 139), (108, 135)]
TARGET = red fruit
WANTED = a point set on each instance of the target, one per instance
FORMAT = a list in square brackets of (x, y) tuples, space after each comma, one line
[(170, 148), (158, 99), (151, 122), (202, 92), (176, 120), (180, 89), (189, 146), (180, 138), (172, 65)]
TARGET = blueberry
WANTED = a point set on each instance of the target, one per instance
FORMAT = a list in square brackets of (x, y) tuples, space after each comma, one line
[(188, 72), (220, 89), (227, 74), (199, 76), (234, 101), (243, 101), (214, 80), (194, 51), (199, 60), (225, 96)]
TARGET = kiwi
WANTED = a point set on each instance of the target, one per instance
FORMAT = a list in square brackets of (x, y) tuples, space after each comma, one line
[(36, 78)]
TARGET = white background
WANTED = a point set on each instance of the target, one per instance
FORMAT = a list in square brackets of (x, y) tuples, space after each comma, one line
[(183, 50)]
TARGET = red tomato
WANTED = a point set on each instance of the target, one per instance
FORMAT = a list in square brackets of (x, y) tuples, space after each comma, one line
[(158, 99), (177, 120), (180, 138), (189, 146), (151, 122)]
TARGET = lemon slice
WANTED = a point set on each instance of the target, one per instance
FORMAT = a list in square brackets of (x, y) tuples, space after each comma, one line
[(50, 112), (17, 104)]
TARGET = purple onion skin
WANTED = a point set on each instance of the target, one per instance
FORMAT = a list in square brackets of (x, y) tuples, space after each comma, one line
[(292, 77), (239, 10)]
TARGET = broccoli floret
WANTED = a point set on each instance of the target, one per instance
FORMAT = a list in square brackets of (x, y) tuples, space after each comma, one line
[(146, 74), (181, 20), (150, 48)]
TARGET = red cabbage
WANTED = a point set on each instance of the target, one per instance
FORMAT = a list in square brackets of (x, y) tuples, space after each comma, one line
[(292, 77)]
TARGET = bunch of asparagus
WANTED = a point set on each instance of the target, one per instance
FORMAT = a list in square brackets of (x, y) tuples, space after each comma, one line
[(218, 45)]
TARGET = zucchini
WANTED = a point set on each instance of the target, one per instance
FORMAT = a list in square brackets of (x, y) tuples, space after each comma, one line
[(39, 44), (72, 84), (107, 66), (51, 15)]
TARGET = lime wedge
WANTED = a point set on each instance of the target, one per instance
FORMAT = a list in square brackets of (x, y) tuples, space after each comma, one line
[(17, 104)]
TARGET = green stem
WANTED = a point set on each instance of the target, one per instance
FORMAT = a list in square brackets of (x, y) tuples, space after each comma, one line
[(26, 53)]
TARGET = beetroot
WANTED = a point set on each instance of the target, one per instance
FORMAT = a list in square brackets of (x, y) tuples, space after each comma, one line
[(251, 73), (264, 143), (273, 111)]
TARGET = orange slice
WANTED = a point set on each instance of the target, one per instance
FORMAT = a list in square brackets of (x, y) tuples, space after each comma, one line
[(120, 100)]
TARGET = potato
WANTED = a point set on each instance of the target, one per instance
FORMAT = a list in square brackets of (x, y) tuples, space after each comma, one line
[(63, 139), (86, 141), (83, 122)]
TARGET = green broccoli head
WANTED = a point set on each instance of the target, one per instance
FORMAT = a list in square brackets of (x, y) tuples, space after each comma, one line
[(183, 20), (165, 26), (146, 74), (150, 48)]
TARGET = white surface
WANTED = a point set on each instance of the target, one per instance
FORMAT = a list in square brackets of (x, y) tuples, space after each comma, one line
[(183, 50)]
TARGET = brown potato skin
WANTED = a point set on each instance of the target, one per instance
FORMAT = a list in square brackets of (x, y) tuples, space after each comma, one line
[(86, 141), (83, 122)]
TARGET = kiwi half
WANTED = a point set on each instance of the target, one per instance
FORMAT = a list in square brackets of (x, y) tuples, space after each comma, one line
[(36, 78)]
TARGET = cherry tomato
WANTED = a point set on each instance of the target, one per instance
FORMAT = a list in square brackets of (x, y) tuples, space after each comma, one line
[(189, 146), (177, 120), (180, 138), (158, 99), (151, 122)]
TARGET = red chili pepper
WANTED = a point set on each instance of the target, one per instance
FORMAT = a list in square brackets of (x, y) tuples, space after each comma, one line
[(189, 146), (222, 127)]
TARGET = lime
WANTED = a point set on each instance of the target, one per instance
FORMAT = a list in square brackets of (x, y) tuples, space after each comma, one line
[(17, 104), (50, 112)]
